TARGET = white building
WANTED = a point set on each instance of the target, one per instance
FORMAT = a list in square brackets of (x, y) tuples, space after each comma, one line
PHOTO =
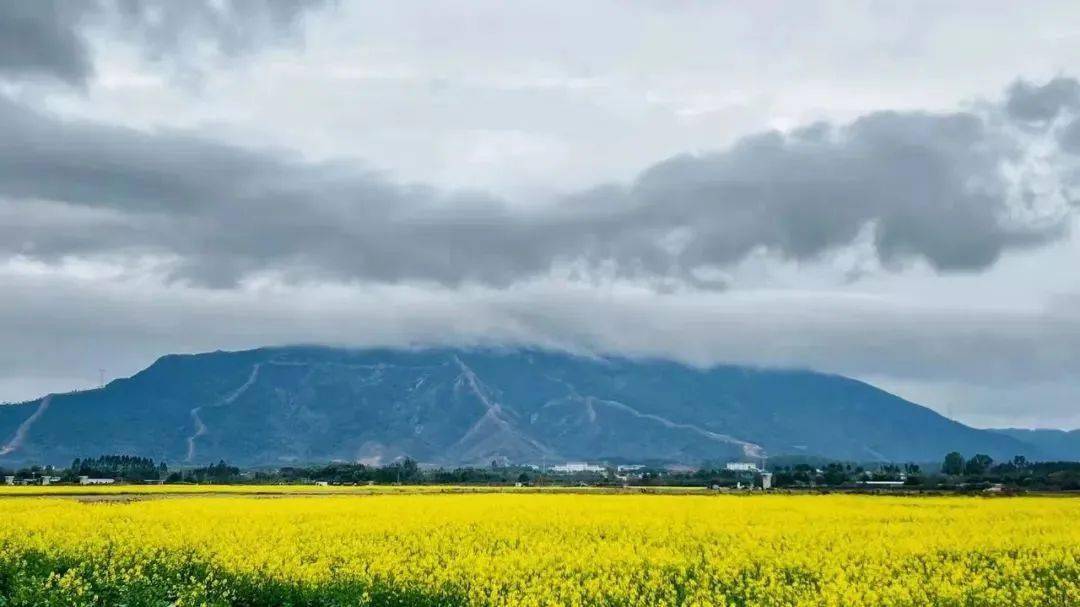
[(9, 480), (86, 480), (741, 467), (884, 483), (572, 467)]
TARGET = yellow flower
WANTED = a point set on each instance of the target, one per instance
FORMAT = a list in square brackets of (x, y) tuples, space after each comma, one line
[(442, 547)]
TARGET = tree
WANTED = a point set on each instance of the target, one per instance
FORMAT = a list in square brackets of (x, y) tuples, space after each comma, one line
[(978, 465), (835, 475), (409, 469), (953, 465)]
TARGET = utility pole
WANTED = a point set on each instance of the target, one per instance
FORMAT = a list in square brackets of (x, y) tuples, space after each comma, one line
[(101, 378)]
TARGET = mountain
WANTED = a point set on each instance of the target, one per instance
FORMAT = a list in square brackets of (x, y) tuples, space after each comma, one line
[(1062, 445), (444, 406)]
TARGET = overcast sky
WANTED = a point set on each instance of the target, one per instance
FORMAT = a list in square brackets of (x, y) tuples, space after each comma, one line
[(886, 192)]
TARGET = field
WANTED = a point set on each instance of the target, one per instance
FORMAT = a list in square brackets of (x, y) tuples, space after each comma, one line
[(399, 547), (268, 490)]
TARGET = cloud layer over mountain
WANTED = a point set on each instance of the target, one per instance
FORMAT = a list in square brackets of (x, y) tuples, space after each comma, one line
[(935, 187)]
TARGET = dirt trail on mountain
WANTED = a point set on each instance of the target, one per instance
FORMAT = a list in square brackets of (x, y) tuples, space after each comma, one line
[(200, 426), (20, 433)]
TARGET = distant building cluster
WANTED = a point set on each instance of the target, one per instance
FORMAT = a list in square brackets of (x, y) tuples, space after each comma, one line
[(741, 467), (576, 467), (37, 480), (751, 468)]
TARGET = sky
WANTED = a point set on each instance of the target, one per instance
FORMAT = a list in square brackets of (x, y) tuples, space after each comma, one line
[(881, 191)]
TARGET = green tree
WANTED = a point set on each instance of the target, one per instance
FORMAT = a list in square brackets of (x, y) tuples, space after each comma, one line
[(835, 475), (978, 465), (953, 465)]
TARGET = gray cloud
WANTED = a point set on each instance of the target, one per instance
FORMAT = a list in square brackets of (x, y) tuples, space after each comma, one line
[(910, 175), (929, 186), (47, 38), (167, 29), (1035, 103), (42, 38), (1069, 137)]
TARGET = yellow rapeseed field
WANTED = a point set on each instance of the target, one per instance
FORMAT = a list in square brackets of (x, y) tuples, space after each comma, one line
[(528, 549), (141, 490)]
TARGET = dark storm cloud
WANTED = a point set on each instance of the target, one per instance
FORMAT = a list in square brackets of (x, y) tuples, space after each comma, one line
[(925, 185), (1033, 103), (909, 175), (46, 38)]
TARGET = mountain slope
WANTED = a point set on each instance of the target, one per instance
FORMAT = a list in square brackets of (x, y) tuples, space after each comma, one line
[(1061, 445), (302, 404)]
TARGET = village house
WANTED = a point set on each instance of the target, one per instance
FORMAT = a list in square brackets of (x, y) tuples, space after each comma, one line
[(86, 480)]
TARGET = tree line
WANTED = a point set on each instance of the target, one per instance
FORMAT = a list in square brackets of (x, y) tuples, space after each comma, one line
[(955, 472), (980, 471)]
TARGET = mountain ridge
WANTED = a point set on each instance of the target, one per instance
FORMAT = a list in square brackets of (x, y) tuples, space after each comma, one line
[(1052, 444), (447, 406)]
